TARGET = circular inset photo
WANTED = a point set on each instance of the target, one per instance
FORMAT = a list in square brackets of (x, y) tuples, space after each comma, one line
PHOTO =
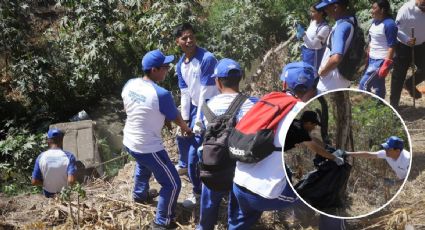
[(347, 153)]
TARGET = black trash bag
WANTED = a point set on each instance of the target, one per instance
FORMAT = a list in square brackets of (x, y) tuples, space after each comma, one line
[(324, 188)]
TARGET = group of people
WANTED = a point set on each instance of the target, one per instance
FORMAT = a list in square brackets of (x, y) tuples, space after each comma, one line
[(392, 44), (260, 186)]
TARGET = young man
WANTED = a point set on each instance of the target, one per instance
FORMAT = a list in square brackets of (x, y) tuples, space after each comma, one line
[(147, 105), (410, 15), (382, 42), (338, 43), (194, 71), (263, 186), (395, 155), (227, 74), (54, 168)]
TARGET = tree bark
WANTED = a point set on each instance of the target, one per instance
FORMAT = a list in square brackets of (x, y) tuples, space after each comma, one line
[(342, 105)]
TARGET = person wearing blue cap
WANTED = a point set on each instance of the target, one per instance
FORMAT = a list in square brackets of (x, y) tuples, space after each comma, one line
[(263, 186), (315, 37), (394, 153), (55, 168), (147, 106), (227, 75), (337, 45), (194, 70)]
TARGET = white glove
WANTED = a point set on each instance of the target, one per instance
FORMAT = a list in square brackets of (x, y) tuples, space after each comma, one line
[(339, 153), (198, 128), (339, 161)]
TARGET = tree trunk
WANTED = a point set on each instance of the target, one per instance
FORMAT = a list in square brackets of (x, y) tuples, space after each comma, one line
[(342, 105), (324, 120)]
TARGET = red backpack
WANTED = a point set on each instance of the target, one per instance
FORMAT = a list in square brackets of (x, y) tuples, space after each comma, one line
[(252, 138)]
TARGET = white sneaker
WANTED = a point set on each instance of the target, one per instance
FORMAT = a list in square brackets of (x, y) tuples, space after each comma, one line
[(191, 201), (181, 170)]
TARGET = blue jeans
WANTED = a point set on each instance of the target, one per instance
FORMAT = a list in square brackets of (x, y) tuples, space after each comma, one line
[(370, 81), (248, 207), (210, 204), (166, 174)]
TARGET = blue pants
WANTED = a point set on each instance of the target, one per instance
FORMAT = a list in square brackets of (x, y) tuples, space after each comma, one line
[(248, 207), (210, 204), (166, 174), (188, 157), (184, 143), (193, 160), (312, 56), (370, 81)]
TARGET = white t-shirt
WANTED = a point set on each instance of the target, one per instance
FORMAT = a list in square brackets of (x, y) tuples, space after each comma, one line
[(399, 166), (195, 81), (267, 177), (53, 167), (316, 35), (220, 103), (147, 105), (408, 16), (382, 35), (340, 38)]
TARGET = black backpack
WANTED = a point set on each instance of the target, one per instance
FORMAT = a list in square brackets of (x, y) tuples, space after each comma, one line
[(324, 188), (216, 168), (353, 58)]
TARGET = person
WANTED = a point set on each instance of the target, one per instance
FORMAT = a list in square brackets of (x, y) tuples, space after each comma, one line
[(147, 105), (55, 168), (227, 74), (263, 186), (382, 42), (315, 37), (194, 71), (410, 15), (394, 153), (338, 43)]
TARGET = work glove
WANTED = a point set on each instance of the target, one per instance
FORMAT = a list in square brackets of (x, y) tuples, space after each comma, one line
[(339, 153), (300, 31), (198, 128), (385, 68), (339, 161)]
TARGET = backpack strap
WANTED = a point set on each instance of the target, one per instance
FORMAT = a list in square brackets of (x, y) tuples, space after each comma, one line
[(329, 45), (209, 115), (236, 104)]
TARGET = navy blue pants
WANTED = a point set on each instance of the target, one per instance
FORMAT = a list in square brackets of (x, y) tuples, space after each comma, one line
[(370, 81), (247, 208), (210, 204), (166, 174)]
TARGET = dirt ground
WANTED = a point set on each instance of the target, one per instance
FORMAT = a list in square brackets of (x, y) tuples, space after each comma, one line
[(109, 204)]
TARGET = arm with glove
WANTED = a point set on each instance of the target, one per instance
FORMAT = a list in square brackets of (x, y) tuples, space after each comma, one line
[(300, 31), (387, 64), (314, 147)]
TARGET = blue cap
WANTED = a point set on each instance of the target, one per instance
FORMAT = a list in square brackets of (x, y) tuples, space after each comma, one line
[(52, 133), (299, 74), (326, 3), (393, 142), (155, 58), (223, 67)]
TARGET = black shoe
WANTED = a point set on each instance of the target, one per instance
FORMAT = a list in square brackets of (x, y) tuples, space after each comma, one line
[(416, 94), (155, 226), (149, 199)]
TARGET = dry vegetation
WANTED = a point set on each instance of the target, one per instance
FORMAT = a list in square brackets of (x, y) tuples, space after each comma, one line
[(109, 205)]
